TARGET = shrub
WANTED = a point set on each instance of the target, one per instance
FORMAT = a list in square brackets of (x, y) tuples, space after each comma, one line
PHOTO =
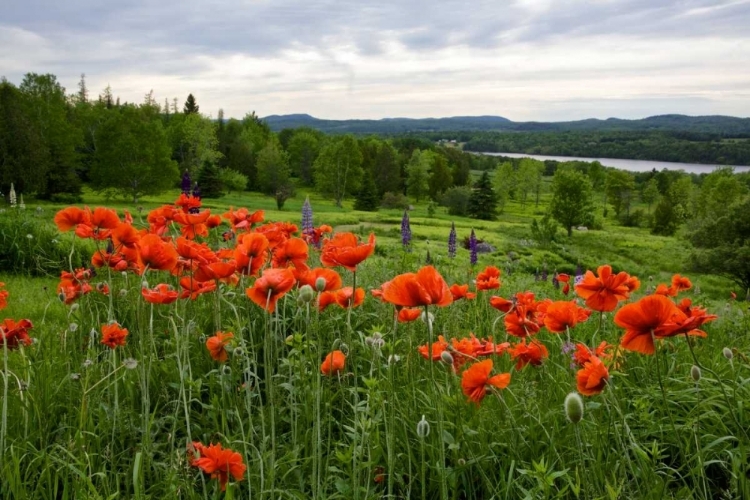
[(457, 200), (395, 200)]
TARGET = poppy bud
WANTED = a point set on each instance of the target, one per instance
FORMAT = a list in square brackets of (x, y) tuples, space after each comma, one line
[(144, 284), (727, 352), (574, 407), (427, 317), (74, 326), (695, 373), (74, 307), (123, 292), (320, 284), (423, 428), (306, 294), (446, 358), (461, 462)]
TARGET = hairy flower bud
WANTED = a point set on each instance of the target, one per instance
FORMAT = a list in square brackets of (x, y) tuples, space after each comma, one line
[(574, 407), (446, 357), (695, 373), (727, 352), (320, 284), (306, 294), (423, 428)]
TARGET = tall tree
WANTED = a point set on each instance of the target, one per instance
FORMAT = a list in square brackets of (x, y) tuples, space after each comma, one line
[(571, 199), (303, 149), (83, 92), (133, 155), (338, 168), (386, 170), (650, 193), (273, 176), (367, 199), (191, 107), (194, 141), (482, 204), (504, 184), (530, 178), (440, 176), (619, 187), (418, 174)]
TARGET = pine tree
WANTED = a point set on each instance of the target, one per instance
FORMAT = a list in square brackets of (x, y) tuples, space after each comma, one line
[(367, 198), (190, 106), (209, 179), (483, 204)]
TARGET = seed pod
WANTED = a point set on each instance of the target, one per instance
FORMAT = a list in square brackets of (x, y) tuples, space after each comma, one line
[(320, 284), (423, 428), (695, 373), (574, 407), (727, 352), (306, 294)]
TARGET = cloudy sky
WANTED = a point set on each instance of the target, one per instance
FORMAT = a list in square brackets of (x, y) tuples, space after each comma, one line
[(523, 59)]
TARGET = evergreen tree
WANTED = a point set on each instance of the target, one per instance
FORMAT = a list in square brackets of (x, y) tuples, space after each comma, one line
[(190, 106), (483, 204), (83, 92), (209, 179), (368, 199)]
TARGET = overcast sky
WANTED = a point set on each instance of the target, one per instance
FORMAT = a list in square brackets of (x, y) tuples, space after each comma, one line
[(544, 60)]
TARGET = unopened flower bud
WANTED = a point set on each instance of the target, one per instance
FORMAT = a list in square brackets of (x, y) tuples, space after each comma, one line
[(423, 428), (461, 462), (123, 292), (130, 363), (574, 407), (144, 284), (74, 307), (289, 340), (727, 352), (695, 373), (320, 284), (306, 294), (446, 357)]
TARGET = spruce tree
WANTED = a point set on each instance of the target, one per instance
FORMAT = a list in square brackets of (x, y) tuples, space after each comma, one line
[(209, 180), (190, 105), (367, 198), (483, 204)]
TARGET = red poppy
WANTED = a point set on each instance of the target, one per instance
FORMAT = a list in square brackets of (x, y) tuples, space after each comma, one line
[(160, 294), (333, 363), (426, 287), (476, 379), (344, 250), (294, 252), (651, 314), (330, 277), (15, 334), (220, 463), (216, 345), (242, 218), (99, 225), (408, 314), (533, 353), (489, 279), (187, 202), (681, 283), (690, 322), (113, 335), (434, 351), (343, 297), (662, 289), (125, 237), (215, 271), (68, 218), (154, 253), (501, 304), (193, 288), (251, 253), (603, 292), (583, 353), (561, 315), (461, 292), (593, 377), (3, 296), (270, 287), (522, 322), (564, 278)]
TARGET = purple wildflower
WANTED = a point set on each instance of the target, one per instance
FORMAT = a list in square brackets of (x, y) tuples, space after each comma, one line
[(186, 183), (308, 227), (579, 274), (452, 242), (405, 230), (568, 347), (473, 248)]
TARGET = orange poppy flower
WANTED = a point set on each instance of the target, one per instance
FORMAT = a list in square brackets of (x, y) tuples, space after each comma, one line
[(14, 334), (113, 335), (487, 348), (70, 217), (3, 297), (501, 304), (681, 283), (331, 278), (434, 351), (100, 224), (343, 297), (251, 253), (215, 271), (461, 292), (476, 379), (125, 236), (489, 279), (522, 322), (213, 221), (561, 315), (333, 363), (154, 253), (564, 278), (583, 353), (651, 313), (533, 353), (193, 288), (190, 250), (160, 294), (187, 202), (270, 287), (216, 345), (592, 378), (662, 289), (219, 463), (690, 321), (426, 287), (242, 218), (604, 291), (344, 250), (294, 252), (408, 314)]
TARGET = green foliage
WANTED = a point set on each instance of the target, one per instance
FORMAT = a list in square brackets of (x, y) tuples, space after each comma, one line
[(650, 192), (210, 182), (571, 203), (457, 200), (544, 232), (233, 180), (619, 187), (304, 147), (504, 183), (338, 168), (191, 107), (194, 141), (367, 199), (395, 200), (441, 178), (482, 203), (133, 157), (418, 174), (387, 170), (529, 179)]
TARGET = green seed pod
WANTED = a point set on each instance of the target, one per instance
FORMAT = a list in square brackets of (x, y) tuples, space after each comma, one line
[(727, 352), (695, 373), (446, 358), (306, 294), (320, 284), (574, 407)]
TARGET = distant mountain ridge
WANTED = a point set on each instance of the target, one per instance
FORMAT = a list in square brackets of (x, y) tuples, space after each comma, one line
[(716, 124)]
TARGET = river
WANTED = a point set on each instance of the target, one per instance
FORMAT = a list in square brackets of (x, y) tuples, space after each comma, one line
[(630, 165)]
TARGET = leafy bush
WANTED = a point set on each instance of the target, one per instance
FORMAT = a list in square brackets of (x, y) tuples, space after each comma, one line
[(233, 180), (395, 200), (544, 232), (457, 200)]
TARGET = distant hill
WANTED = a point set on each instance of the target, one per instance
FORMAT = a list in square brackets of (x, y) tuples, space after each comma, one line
[(723, 125)]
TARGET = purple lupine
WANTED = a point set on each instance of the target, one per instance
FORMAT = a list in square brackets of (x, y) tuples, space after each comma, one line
[(405, 230), (473, 248), (308, 228), (452, 241), (186, 183), (579, 274)]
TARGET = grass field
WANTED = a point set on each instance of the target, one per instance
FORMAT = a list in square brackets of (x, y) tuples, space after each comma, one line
[(87, 419)]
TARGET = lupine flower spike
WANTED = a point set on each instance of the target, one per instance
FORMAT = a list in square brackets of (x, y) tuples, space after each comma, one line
[(452, 241), (473, 248)]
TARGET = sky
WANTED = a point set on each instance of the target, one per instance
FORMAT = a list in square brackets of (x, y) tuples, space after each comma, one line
[(542, 60)]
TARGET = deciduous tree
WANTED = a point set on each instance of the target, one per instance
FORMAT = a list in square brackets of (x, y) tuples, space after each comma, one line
[(571, 203)]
